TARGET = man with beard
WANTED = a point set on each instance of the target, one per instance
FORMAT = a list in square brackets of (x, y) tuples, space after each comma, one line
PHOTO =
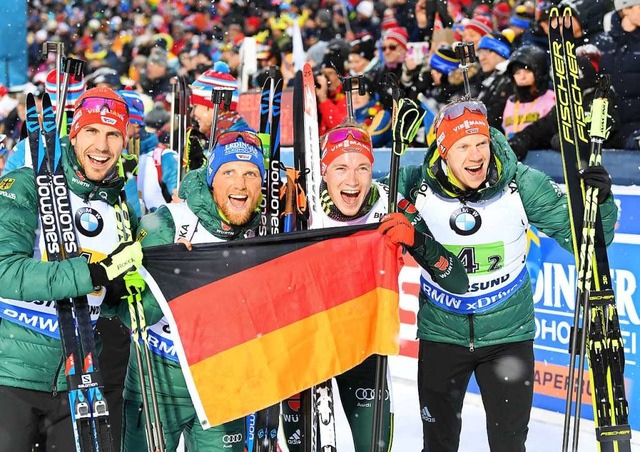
[(221, 203)]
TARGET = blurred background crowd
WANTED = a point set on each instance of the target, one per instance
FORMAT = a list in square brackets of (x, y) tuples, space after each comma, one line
[(140, 45)]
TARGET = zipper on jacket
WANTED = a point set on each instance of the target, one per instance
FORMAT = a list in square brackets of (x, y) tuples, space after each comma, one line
[(89, 195), (471, 346), (54, 384)]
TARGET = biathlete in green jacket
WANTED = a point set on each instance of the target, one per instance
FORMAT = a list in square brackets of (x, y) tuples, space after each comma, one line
[(33, 390), (478, 201), (221, 203), (349, 196)]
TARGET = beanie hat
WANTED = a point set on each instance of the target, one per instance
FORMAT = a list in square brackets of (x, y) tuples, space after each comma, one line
[(217, 77), (76, 88), (497, 43), (397, 34), (480, 24), (135, 104), (521, 17), (238, 151), (469, 122), (108, 108), (501, 10), (345, 143), (622, 4), (444, 60)]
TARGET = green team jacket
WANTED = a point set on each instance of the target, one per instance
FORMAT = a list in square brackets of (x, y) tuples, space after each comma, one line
[(28, 359), (158, 228), (545, 208)]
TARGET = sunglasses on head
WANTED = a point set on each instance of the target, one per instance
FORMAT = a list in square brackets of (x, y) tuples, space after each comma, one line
[(390, 47), (339, 135), (456, 110), (246, 137), (100, 104)]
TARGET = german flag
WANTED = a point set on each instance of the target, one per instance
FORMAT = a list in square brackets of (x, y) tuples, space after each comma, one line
[(259, 320)]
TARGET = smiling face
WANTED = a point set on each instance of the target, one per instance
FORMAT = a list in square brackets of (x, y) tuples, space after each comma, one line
[(237, 191), (98, 148), (348, 179), (468, 160), (203, 115)]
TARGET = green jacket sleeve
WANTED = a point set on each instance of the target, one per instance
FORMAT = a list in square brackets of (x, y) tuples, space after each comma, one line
[(22, 277), (546, 207)]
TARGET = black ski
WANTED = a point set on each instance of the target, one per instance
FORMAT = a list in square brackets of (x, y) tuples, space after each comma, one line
[(89, 409), (596, 329)]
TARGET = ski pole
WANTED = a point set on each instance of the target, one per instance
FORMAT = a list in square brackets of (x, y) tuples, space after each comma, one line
[(72, 68), (135, 284), (58, 49), (218, 95), (348, 87), (466, 53), (172, 121)]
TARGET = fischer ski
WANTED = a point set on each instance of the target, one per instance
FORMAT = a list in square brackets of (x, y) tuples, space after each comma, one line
[(596, 332), (89, 411)]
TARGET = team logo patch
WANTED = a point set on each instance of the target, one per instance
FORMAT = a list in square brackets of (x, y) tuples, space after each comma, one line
[(294, 402), (465, 221), (6, 183), (89, 222)]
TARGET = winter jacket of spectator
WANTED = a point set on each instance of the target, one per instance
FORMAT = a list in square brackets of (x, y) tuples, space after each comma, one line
[(621, 59), (495, 89)]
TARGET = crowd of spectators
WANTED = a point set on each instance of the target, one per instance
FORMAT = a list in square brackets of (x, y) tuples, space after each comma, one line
[(141, 44)]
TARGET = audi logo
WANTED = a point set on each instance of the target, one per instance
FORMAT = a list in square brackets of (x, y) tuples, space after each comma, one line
[(230, 439), (368, 394)]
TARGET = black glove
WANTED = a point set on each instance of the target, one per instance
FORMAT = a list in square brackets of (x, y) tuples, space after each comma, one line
[(125, 258), (597, 177)]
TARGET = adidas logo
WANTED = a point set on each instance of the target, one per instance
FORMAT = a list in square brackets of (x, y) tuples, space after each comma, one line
[(295, 438), (426, 415)]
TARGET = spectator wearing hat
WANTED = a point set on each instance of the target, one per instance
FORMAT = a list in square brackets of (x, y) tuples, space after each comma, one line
[(362, 56), (202, 111), (532, 99), (157, 176), (475, 28), (154, 81), (442, 63), (493, 53), (366, 22), (501, 13), (520, 23), (620, 58), (543, 133)]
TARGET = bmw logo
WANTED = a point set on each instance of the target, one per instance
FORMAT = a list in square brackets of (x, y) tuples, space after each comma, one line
[(89, 222), (465, 221)]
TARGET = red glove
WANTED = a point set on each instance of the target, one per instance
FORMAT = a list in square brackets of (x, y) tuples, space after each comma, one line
[(398, 228)]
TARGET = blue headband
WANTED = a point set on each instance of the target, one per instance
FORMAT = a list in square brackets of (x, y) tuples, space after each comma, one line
[(443, 64), (495, 45), (234, 152), (519, 22)]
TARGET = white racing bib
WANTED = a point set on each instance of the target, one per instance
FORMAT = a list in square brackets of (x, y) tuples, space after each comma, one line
[(490, 240)]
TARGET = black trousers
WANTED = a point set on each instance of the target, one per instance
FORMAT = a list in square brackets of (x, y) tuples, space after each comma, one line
[(505, 377), (25, 415)]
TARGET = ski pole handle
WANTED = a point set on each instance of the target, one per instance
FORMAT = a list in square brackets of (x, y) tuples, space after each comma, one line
[(350, 84), (70, 67), (466, 53)]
